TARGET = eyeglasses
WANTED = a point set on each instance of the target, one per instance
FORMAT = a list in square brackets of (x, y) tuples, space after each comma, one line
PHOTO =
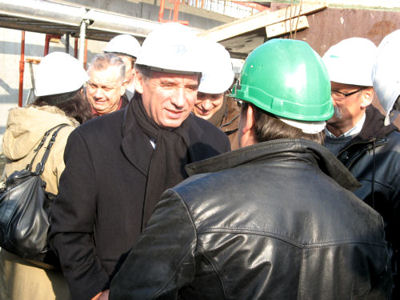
[(340, 95)]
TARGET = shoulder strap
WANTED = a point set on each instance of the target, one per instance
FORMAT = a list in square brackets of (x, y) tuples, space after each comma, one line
[(40, 166), (46, 134)]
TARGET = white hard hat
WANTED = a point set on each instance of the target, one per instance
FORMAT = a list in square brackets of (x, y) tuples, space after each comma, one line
[(217, 75), (123, 44), (59, 73), (350, 61), (385, 75), (171, 47)]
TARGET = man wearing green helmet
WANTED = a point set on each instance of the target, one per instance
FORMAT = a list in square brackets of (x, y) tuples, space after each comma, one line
[(272, 220)]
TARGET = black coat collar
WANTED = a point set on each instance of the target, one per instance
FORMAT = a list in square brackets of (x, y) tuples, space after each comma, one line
[(374, 126), (136, 144)]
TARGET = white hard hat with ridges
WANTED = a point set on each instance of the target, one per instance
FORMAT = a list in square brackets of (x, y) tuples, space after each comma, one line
[(386, 72), (217, 75), (123, 44), (59, 73), (350, 61), (171, 47)]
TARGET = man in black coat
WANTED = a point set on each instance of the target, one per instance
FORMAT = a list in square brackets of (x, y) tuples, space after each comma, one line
[(272, 220), (118, 165)]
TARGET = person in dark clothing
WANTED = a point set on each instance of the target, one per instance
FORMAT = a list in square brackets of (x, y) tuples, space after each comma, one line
[(272, 220), (385, 79), (213, 103), (106, 86), (227, 118), (118, 165), (361, 140)]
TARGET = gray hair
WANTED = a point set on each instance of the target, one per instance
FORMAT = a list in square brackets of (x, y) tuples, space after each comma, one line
[(104, 60)]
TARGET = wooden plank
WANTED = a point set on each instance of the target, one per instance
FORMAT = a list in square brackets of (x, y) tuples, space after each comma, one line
[(286, 27), (241, 46), (259, 20)]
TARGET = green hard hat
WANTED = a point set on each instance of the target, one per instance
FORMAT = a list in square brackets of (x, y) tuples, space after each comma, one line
[(286, 78)]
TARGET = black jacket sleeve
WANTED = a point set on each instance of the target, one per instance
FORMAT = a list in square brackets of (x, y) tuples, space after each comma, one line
[(163, 260), (72, 222)]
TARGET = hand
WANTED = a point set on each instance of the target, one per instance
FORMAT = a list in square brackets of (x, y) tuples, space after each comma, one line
[(102, 295)]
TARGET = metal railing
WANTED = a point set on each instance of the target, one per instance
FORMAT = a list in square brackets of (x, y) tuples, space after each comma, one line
[(225, 7)]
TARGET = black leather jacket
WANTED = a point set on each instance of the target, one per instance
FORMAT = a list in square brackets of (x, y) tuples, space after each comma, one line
[(373, 157), (268, 221)]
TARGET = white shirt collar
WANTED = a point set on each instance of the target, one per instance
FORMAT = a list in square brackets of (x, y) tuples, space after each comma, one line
[(352, 132), (153, 143)]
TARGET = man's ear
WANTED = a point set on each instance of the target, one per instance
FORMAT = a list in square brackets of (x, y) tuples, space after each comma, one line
[(139, 80), (249, 121), (367, 97), (123, 87), (246, 127)]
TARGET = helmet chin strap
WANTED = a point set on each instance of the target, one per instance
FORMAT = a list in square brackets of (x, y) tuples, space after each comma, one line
[(306, 127)]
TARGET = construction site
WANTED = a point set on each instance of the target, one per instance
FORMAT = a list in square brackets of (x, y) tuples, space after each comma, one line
[(199, 149)]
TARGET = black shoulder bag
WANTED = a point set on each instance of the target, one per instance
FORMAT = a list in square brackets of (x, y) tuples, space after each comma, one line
[(24, 204)]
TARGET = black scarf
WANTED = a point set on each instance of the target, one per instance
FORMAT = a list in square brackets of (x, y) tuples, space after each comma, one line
[(167, 162)]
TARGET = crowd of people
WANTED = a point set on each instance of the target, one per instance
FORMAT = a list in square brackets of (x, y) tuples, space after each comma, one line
[(173, 179)]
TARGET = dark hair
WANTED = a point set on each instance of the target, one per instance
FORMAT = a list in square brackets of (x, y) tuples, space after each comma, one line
[(145, 71), (74, 104), (269, 127)]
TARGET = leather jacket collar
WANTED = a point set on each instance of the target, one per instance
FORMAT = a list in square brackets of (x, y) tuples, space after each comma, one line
[(280, 150)]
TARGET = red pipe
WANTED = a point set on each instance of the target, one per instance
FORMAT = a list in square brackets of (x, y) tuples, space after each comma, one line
[(46, 45), (21, 70), (161, 11), (47, 42), (176, 11), (76, 48)]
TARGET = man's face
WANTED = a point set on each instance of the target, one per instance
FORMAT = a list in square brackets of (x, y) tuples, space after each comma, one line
[(348, 109), (168, 98), (104, 89), (207, 104)]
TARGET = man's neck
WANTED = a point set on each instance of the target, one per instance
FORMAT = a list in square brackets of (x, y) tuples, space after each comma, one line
[(352, 128), (337, 131)]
